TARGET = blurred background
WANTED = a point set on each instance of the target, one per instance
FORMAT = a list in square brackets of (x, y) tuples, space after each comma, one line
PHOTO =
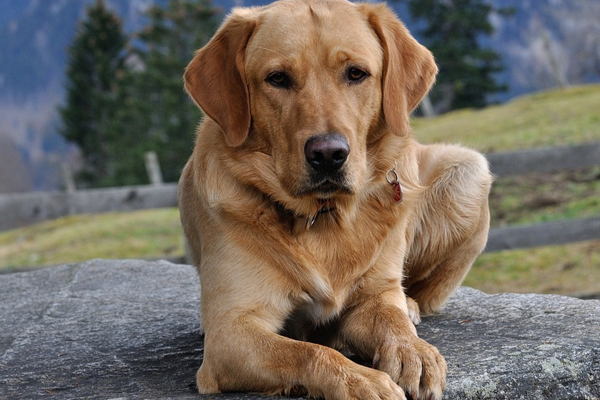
[(91, 97)]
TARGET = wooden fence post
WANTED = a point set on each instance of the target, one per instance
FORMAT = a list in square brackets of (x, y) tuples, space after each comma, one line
[(153, 168), (68, 177), (427, 107)]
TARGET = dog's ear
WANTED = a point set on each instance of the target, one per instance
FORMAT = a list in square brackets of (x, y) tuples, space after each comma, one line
[(215, 78), (409, 69)]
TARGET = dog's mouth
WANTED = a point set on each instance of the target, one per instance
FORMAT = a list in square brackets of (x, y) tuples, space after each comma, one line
[(326, 188)]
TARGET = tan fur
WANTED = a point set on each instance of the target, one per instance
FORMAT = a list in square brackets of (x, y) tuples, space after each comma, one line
[(278, 299)]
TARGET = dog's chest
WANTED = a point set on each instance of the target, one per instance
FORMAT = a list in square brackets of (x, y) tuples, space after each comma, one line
[(335, 265), (344, 252), (332, 259)]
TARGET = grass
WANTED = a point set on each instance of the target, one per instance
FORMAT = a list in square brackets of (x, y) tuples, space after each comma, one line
[(545, 197), (569, 269), (544, 119), (141, 234)]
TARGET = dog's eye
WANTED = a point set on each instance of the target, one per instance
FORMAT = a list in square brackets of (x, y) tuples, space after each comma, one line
[(356, 75), (279, 79)]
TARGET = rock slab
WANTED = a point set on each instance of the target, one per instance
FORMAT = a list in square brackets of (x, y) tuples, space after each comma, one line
[(107, 329)]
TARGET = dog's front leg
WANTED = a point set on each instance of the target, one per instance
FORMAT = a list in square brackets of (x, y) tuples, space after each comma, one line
[(378, 327), (247, 356)]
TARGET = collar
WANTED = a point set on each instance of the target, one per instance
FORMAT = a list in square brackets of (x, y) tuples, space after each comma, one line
[(309, 219)]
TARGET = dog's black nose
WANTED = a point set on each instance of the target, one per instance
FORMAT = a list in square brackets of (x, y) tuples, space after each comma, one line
[(326, 153)]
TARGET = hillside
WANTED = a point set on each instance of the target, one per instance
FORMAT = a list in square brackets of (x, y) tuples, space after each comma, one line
[(543, 119)]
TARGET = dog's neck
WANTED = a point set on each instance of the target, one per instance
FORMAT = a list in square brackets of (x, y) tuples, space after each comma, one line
[(304, 222)]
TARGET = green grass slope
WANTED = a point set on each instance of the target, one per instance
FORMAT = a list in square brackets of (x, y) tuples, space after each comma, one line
[(552, 118), (141, 234)]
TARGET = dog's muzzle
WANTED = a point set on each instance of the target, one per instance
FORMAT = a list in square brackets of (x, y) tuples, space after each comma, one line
[(326, 155)]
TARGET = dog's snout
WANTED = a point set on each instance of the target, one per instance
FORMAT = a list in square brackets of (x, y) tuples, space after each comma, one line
[(327, 153)]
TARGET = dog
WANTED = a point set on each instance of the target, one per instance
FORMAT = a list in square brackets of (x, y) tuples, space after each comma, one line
[(317, 223)]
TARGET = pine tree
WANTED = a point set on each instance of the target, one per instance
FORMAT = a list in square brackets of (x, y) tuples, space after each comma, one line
[(155, 113), (453, 30), (95, 67)]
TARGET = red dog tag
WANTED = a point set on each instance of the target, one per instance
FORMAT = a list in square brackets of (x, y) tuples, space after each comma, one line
[(398, 191), (392, 178)]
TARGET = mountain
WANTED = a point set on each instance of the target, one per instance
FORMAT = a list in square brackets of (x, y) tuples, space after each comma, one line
[(545, 43)]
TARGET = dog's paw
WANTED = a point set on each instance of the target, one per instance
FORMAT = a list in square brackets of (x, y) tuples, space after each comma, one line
[(414, 313), (415, 365), (205, 382), (362, 383)]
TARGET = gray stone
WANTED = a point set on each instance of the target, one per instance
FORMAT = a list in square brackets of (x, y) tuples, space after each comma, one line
[(130, 329)]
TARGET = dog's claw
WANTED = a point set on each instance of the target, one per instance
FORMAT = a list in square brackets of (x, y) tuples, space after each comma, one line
[(416, 366)]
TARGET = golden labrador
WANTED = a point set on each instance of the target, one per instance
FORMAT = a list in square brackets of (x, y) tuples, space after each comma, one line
[(316, 221)]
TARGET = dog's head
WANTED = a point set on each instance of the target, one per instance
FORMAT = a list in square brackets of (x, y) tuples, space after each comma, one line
[(312, 84)]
